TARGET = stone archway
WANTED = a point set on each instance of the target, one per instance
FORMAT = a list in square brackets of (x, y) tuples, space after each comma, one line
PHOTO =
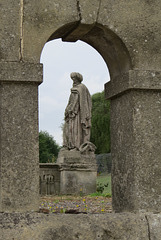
[(108, 44), (105, 41), (127, 35), (131, 84), (125, 91)]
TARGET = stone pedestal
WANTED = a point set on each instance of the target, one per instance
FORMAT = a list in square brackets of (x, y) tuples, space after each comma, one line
[(135, 141), (19, 159), (78, 172)]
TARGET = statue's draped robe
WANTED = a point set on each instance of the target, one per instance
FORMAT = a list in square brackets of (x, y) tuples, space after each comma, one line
[(77, 118)]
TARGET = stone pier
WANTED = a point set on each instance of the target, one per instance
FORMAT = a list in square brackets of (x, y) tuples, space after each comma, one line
[(135, 144), (19, 159)]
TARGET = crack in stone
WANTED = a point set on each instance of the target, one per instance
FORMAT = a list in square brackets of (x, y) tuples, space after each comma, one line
[(98, 10), (149, 235), (79, 10), (21, 30)]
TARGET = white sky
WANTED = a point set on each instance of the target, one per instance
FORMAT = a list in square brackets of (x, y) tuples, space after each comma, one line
[(59, 60)]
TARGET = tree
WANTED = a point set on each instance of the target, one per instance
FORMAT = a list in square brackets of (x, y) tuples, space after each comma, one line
[(100, 130), (48, 148)]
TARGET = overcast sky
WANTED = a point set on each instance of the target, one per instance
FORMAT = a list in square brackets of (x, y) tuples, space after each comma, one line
[(59, 60)]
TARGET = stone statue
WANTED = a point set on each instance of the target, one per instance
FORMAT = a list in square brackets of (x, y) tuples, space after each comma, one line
[(77, 125), (77, 159)]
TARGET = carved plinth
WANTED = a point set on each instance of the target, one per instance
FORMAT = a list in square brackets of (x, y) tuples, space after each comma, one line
[(78, 172)]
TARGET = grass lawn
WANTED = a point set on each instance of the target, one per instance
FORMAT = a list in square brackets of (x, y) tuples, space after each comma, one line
[(104, 179)]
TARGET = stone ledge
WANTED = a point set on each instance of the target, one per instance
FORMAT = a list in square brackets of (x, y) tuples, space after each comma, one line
[(118, 226), (49, 165), (134, 79), (21, 72), (78, 167), (75, 157)]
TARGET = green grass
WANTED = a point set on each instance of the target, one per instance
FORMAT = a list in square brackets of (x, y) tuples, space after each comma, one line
[(98, 194), (104, 179)]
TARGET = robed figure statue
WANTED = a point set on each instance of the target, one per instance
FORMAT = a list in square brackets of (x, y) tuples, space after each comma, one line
[(77, 115)]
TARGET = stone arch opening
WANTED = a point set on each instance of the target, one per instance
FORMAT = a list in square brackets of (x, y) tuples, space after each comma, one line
[(86, 56), (59, 60), (104, 40)]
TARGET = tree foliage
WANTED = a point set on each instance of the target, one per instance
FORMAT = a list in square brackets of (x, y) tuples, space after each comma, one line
[(48, 148), (100, 131)]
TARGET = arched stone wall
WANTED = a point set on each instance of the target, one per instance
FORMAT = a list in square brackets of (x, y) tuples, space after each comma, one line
[(127, 35), (137, 24), (105, 41)]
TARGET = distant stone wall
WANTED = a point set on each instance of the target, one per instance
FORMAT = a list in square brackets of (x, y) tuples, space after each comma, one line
[(104, 162), (49, 179)]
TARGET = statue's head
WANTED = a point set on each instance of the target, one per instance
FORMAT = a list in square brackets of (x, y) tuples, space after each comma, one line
[(76, 76)]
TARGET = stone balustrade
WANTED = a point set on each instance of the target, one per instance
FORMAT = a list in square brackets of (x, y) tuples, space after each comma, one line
[(49, 179)]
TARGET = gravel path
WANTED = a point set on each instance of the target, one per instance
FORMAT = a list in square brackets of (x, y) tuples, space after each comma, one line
[(75, 205)]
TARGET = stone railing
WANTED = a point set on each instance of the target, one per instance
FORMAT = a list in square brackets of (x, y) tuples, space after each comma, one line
[(49, 179)]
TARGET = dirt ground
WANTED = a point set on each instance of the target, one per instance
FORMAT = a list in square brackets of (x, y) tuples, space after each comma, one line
[(75, 204)]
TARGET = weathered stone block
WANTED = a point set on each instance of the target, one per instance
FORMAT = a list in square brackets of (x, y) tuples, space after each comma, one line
[(78, 172), (21, 72), (135, 147), (133, 79), (19, 147), (147, 131), (67, 226), (89, 11), (139, 30), (41, 19), (154, 226), (10, 30), (79, 181), (19, 160), (122, 153)]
